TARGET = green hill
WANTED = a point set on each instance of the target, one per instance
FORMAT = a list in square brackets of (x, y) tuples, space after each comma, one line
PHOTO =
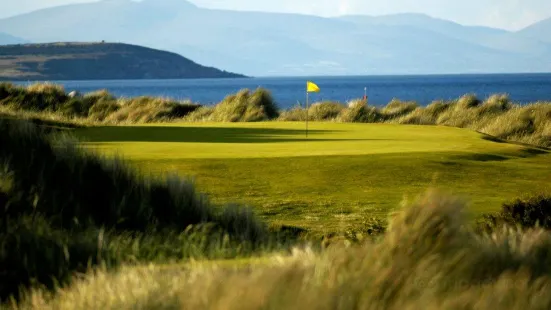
[(96, 61)]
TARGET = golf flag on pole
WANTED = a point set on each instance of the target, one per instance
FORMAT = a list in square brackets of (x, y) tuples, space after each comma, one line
[(311, 87)]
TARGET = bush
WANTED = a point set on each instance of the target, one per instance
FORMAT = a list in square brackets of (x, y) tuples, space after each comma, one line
[(525, 213)]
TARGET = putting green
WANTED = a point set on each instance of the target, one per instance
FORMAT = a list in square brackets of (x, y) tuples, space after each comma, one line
[(337, 176)]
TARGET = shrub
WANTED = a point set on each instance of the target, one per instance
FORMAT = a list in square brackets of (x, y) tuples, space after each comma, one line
[(525, 213)]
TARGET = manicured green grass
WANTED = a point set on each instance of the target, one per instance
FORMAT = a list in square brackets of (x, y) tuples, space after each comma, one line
[(337, 176)]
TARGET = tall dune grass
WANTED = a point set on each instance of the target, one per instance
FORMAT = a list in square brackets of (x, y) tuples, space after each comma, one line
[(97, 107), (496, 115), (63, 208), (245, 106), (428, 259)]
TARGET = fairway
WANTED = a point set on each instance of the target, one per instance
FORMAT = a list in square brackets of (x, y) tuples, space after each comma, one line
[(337, 176)]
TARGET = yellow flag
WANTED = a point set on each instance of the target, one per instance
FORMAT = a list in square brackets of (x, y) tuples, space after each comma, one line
[(311, 87)]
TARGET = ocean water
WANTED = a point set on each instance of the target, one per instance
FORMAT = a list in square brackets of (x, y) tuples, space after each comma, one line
[(290, 91)]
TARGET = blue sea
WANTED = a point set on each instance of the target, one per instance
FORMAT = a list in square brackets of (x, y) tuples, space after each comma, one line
[(290, 91)]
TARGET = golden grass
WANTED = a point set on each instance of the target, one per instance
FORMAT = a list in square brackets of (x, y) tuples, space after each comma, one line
[(428, 259)]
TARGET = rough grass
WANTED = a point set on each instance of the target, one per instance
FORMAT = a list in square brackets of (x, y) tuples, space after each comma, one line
[(319, 111), (496, 116), (92, 108), (340, 175), (428, 259), (245, 106), (63, 208)]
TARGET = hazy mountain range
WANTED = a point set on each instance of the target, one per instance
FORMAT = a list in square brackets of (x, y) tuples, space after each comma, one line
[(8, 39), (256, 43)]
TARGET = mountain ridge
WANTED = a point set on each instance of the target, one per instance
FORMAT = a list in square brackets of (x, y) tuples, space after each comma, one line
[(540, 30), (265, 44), (6, 39)]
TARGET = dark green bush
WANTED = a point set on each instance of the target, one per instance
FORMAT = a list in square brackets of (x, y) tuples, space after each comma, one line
[(522, 213)]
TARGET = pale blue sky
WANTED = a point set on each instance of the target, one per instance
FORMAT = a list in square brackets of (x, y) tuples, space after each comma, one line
[(507, 14)]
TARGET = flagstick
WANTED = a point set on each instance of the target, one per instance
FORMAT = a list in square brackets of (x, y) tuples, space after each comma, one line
[(306, 114)]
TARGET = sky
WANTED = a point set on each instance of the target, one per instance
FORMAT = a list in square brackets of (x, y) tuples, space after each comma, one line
[(505, 14)]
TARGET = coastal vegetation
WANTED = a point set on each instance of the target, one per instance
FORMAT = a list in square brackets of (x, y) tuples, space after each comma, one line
[(254, 211), (496, 116)]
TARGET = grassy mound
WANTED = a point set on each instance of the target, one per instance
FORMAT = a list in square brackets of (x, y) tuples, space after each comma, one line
[(245, 106), (63, 208), (427, 259), (95, 107), (496, 116)]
